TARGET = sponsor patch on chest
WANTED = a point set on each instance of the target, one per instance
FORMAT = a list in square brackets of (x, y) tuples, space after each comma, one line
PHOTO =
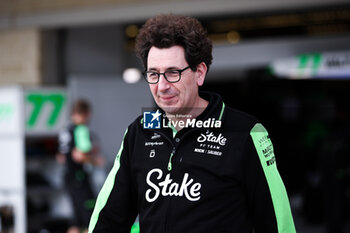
[(209, 143)]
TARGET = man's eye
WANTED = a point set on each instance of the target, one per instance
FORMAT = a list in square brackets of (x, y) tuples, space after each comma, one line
[(153, 75), (172, 73)]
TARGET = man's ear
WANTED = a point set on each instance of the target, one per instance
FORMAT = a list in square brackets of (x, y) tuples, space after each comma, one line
[(201, 73)]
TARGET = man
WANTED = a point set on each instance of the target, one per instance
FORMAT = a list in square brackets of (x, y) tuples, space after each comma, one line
[(205, 167), (76, 150)]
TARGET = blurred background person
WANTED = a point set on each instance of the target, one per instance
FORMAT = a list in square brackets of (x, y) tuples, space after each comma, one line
[(77, 151)]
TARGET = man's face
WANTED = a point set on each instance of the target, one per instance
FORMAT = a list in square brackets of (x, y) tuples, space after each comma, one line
[(173, 97), (80, 118)]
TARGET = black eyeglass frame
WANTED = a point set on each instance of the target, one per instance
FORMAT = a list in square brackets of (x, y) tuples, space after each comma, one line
[(164, 74)]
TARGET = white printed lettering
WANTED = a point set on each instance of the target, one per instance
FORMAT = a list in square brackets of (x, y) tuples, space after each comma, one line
[(212, 138), (169, 188)]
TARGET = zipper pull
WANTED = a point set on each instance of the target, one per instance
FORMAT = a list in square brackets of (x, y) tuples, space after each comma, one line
[(170, 166)]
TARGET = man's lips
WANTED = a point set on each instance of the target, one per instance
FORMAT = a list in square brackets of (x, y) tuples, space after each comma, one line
[(167, 98)]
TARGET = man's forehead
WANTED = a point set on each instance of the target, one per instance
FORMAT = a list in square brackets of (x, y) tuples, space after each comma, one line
[(166, 58)]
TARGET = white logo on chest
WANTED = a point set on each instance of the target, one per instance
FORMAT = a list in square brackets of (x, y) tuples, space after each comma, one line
[(167, 187), (210, 137)]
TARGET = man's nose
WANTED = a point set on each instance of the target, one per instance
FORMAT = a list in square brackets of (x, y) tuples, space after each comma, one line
[(163, 84)]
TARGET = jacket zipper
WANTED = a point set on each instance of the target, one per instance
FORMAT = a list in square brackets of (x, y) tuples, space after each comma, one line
[(170, 166)]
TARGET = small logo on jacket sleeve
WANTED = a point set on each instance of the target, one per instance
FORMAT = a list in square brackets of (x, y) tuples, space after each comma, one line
[(151, 120)]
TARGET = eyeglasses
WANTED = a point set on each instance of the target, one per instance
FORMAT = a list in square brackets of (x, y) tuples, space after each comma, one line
[(172, 76)]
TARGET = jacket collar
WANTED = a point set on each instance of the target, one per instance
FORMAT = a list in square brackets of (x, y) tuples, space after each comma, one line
[(215, 107)]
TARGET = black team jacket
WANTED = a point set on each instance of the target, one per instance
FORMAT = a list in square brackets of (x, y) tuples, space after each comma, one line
[(218, 174)]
